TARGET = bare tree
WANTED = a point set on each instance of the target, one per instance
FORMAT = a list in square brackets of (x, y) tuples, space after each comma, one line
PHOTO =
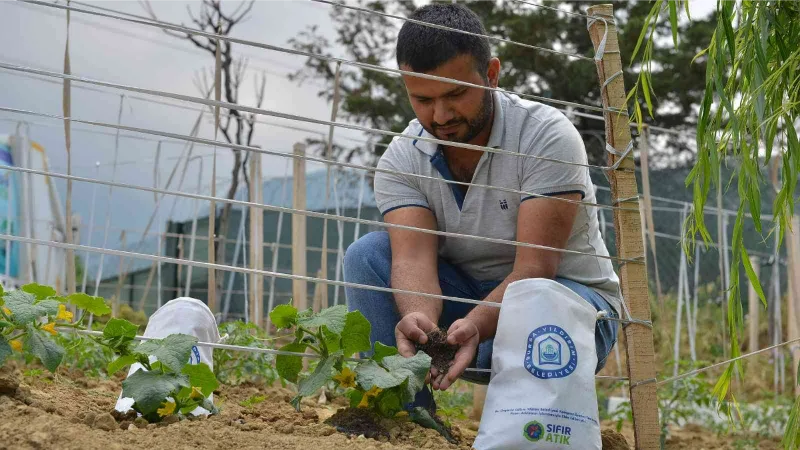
[(235, 127)]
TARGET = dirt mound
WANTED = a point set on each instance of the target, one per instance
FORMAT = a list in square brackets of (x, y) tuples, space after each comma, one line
[(614, 441), (358, 422)]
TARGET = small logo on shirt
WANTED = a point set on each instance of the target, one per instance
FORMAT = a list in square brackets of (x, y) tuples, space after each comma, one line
[(503, 204)]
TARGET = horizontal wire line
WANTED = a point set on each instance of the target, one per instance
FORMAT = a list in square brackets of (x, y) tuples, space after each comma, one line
[(174, 105), (366, 66), (287, 116), (454, 30), (224, 267), (269, 351), (209, 142), (703, 369), (569, 13), (319, 215)]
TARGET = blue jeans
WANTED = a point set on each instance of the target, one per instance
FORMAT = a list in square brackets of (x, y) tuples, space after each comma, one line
[(368, 261)]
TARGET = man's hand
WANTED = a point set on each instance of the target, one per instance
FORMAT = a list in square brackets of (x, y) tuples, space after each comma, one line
[(463, 333), (413, 328)]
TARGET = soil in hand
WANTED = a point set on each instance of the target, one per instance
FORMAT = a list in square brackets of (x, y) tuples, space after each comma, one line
[(439, 350), (357, 421)]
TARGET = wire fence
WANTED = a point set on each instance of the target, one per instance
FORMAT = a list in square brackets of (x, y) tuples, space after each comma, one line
[(667, 263)]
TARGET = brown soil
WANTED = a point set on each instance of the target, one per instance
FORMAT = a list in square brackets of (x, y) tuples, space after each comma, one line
[(356, 421), (73, 412), (70, 411), (614, 441), (439, 350)]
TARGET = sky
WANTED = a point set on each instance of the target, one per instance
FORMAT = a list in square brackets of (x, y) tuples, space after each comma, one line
[(142, 56)]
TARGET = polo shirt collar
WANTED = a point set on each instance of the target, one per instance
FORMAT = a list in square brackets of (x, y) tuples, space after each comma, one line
[(495, 137)]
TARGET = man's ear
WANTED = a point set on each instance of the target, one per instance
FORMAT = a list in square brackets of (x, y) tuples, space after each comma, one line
[(493, 72)]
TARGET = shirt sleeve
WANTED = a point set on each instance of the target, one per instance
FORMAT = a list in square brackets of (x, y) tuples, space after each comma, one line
[(558, 140), (397, 189)]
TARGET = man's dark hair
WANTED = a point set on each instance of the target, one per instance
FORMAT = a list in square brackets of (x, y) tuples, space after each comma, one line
[(425, 48)]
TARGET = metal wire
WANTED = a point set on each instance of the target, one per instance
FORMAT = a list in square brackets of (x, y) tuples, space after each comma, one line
[(365, 66), (318, 214), (454, 30), (208, 142), (712, 366), (294, 117), (540, 6)]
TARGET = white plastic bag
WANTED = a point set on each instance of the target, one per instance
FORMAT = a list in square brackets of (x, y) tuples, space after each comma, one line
[(186, 316), (542, 391)]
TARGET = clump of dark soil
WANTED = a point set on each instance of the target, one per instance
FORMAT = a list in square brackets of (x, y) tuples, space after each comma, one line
[(439, 350), (358, 421), (613, 440)]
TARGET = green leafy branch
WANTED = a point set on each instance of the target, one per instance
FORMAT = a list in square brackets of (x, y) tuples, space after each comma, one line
[(751, 103)]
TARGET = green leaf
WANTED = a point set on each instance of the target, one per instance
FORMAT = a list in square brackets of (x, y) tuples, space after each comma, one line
[(355, 336), (390, 401), (150, 389), (673, 19), (173, 351), (5, 350), (44, 348), (646, 92), (320, 376), (93, 305), (753, 277), (289, 366), (20, 303), (791, 435), (117, 364), (201, 376), (333, 318), (355, 397), (120, 328), (382, 351), (47, 307), (283, 316), (39, 291), (4, 324), (417, 366), (333, 341), (395, 371)]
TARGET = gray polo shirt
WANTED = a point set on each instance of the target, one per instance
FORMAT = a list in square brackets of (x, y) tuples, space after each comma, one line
[(519, 126)]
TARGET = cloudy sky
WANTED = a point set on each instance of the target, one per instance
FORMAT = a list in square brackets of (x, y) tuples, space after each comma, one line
[(142, 56)]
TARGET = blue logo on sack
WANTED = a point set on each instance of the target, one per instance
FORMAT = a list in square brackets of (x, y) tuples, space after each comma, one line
[(550, 353)]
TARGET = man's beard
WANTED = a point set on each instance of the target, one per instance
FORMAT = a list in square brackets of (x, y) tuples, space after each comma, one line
[(474, 126)]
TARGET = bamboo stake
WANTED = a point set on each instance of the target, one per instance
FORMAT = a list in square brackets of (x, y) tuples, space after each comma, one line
[(628, 227)]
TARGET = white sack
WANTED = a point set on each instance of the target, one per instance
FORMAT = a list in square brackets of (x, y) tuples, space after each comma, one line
[(182, 315), (542, 391)]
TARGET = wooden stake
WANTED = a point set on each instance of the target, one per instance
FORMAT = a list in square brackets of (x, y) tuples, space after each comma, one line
[(299, 287), (753, 308), (628, 226)]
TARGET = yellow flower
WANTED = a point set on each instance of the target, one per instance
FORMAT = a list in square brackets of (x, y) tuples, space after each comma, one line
[(50, 328), (346, 378), (196, 394), (166, 410), (63, 314), (16, 344), (7, 311), (374, 391)]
